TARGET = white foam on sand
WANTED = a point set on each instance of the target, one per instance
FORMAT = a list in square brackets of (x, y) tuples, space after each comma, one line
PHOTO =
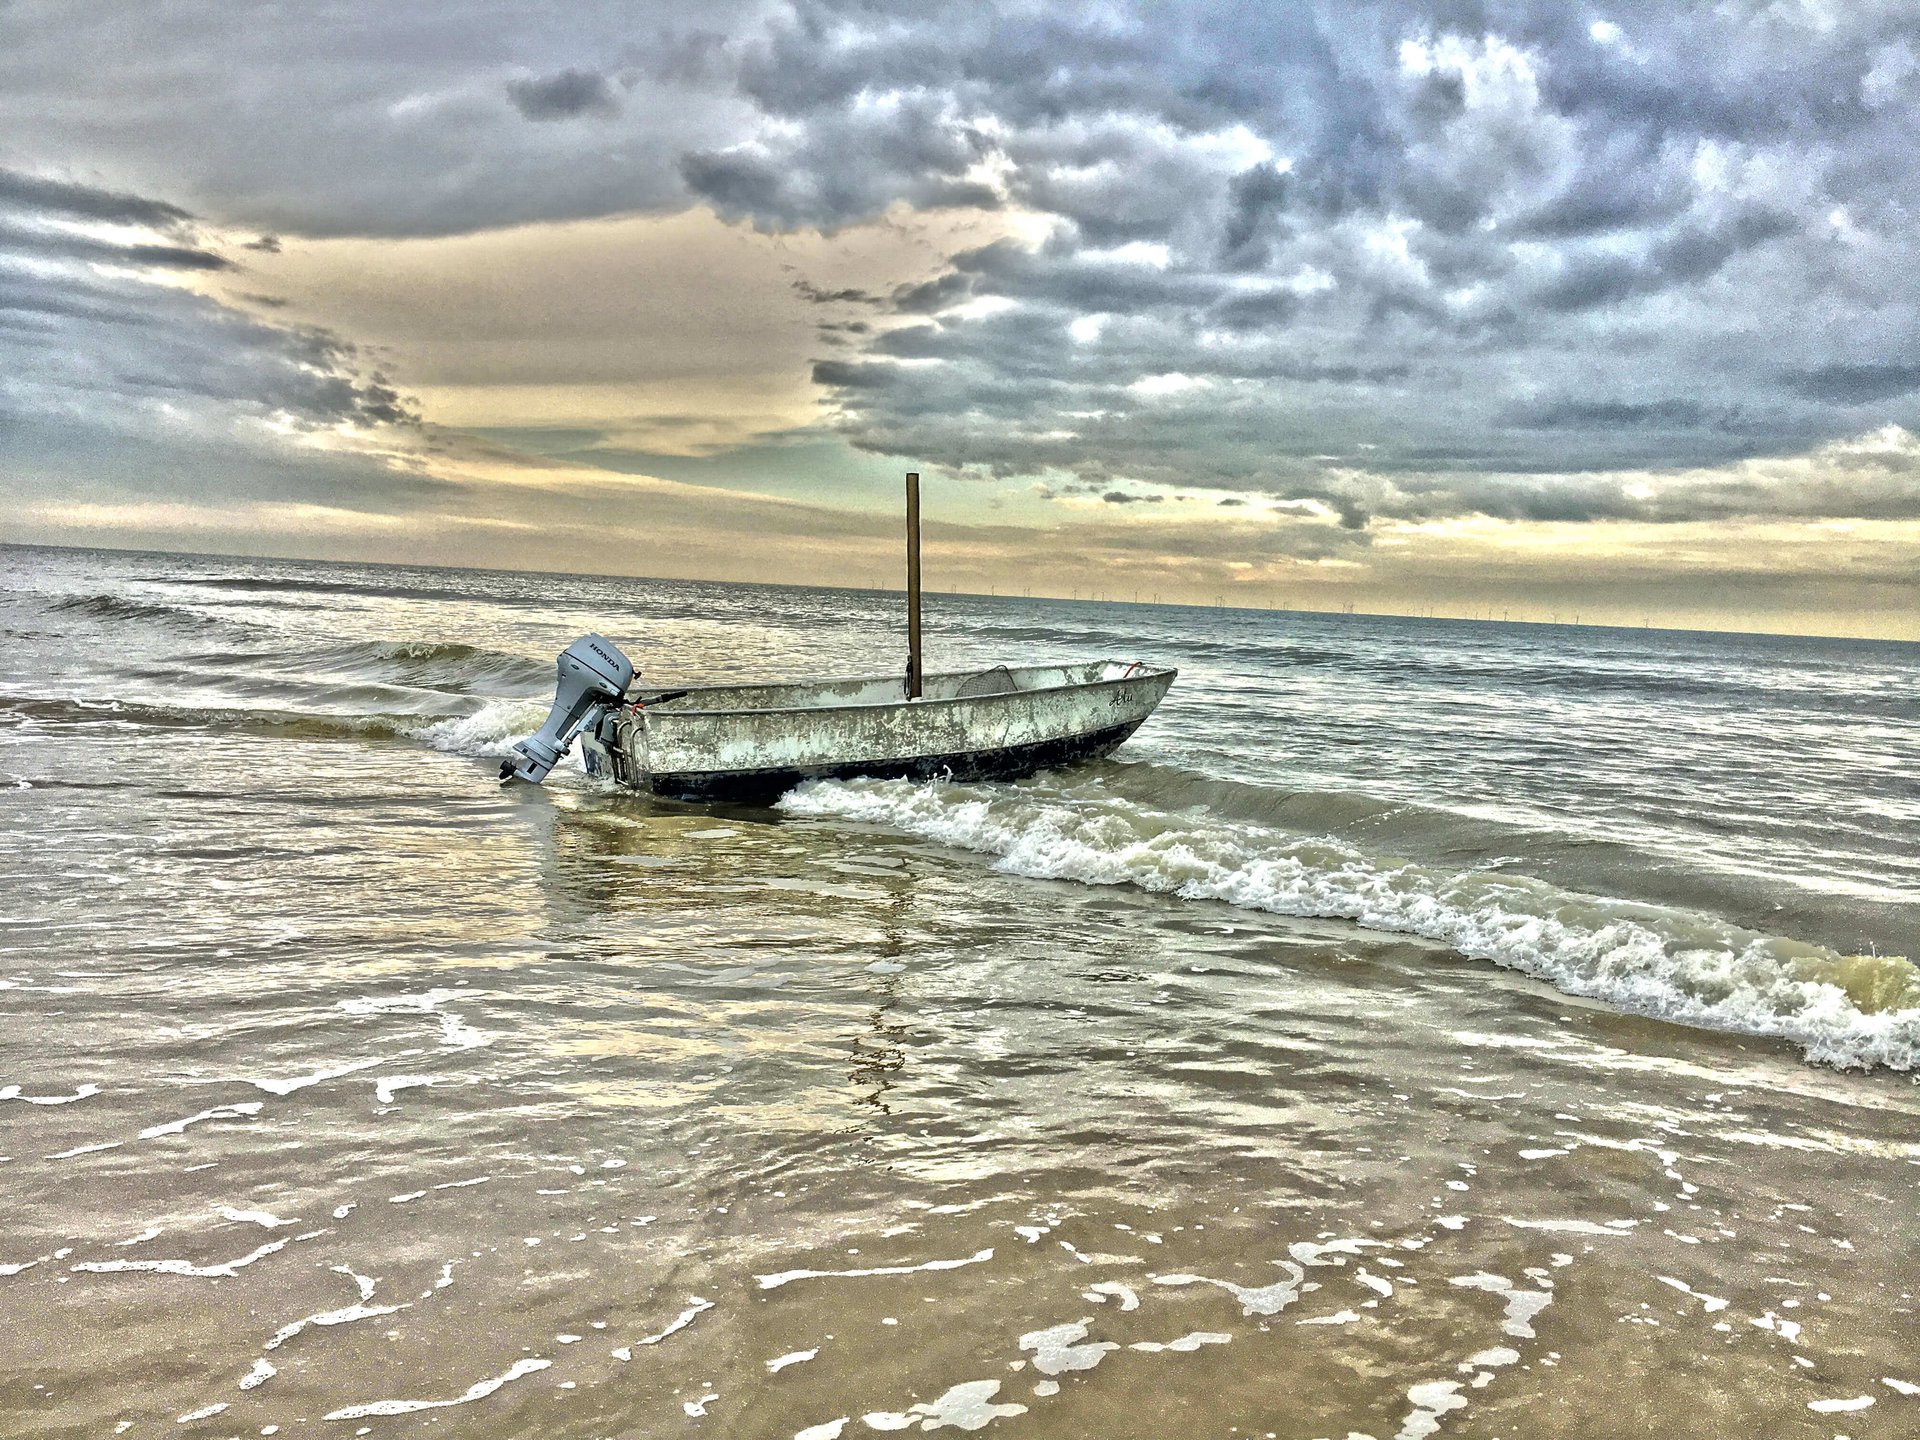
[(696, 1306), (16, 1267), (1059, 1348), (223, 1271), (1333, 1252), (1254, 1299), (1339, 1317), (1185, 1345), (385, 1090), (1646, 959), (1614, 1228), (1787, 1330), (1708, 1303), (346, 1315), (264, 1219), (965, 1407), (1430, 1400), (314, 1077), (238, 1111), (12, 1092), (79, 1150), (1522, 1305), (477, 1391), (787, 1277)]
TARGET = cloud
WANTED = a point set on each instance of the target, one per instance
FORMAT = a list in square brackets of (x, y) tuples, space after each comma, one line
[(675, 334), (366, 118), (846, 295), (564, 95), (1491, 244), (114, 378), (46, 242), (1862, 384), (23, 192)]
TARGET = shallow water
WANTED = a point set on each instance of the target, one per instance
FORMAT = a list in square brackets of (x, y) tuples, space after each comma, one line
[(1316, 1068)]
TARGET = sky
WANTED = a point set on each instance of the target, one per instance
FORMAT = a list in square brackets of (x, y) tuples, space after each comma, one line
[(1541, 311)]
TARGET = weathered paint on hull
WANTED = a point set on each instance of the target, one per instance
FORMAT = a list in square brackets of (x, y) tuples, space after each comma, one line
[(752, 742), (759, 787)]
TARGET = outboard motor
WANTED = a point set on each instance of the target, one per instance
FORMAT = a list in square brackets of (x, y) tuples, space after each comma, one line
[(594, 676)]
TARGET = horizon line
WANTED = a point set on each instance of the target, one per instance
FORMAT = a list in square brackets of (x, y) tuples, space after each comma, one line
[(1219, 604)]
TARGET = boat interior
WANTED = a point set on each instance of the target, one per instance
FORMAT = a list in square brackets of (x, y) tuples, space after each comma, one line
[(892, 689)]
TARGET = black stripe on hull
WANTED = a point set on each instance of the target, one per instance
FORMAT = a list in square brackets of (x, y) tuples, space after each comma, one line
[(762, 787)]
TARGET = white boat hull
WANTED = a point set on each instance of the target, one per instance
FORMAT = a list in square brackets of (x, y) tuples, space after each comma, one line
[(750, 743)]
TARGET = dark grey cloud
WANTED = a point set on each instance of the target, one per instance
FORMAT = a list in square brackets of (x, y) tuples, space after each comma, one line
[(88, 202), (1859, 384), (564, 95), (846, 295)]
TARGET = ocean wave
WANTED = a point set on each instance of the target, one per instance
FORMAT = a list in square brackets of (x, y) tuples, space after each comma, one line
[(1653, 677), (486, 731), (123, 608), (441, 664), (1671, 964), (162, 716), (379, 666), (1178, 787), (294, 585)]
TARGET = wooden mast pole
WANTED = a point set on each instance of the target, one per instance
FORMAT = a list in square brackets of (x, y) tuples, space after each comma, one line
[(913, 585)]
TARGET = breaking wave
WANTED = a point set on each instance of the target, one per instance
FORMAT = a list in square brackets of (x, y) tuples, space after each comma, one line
[(488, 731), (1671, 964)]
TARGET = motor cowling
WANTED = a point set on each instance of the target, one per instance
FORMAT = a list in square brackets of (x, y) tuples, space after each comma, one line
[(593, 676)]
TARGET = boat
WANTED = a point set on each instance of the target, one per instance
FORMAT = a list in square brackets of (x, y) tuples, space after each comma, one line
[(750, 743)]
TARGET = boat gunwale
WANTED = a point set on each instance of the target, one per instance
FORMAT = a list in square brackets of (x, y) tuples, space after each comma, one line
[(648, 712)]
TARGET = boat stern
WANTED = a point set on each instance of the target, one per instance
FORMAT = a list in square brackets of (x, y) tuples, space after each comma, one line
[(616, 748)]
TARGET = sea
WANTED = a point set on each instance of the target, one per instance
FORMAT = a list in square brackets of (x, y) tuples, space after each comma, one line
[(1419, 1028)]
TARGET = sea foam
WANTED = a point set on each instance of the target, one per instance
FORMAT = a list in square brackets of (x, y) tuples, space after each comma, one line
[(489, 731), (1842, 1010)]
